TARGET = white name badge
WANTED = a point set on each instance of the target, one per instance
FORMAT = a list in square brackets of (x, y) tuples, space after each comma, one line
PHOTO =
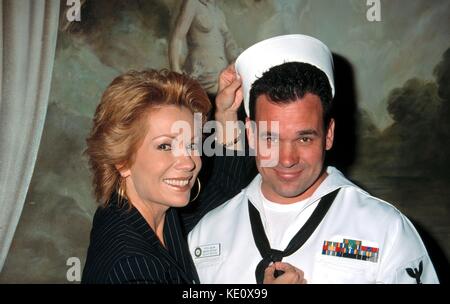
[(206, 251)]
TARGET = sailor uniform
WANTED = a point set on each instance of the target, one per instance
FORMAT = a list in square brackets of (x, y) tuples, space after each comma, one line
[(341, 234)]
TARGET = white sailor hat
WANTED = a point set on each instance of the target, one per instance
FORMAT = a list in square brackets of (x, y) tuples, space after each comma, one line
[(260, 57)]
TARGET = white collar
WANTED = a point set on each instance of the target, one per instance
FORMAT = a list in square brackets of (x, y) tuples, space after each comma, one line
[(333, 181)]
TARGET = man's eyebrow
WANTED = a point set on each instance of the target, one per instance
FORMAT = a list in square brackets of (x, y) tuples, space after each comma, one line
[(307, 132)]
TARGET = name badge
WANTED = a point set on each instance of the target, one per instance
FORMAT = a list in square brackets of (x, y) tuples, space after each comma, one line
[(206, 251)]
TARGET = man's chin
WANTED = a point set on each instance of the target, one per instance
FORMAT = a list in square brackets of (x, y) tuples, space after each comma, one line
[(290, 193)]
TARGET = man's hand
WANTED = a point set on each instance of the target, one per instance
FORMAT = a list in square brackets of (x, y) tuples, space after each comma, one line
[(291, 275)]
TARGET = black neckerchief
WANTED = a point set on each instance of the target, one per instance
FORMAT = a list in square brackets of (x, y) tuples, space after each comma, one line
[(273, 255)]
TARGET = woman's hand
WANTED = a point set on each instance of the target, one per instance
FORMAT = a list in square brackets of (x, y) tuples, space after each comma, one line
[(228, 101), (229, 95), (291, 275)]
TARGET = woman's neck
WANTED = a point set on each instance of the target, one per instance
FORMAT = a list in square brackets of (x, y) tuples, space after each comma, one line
[(153, 213)]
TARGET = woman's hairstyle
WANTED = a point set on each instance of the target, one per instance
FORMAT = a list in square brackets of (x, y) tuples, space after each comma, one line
[(119, 124)]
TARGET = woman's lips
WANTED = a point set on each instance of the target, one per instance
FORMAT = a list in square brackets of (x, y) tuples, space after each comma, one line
[(178, 184)]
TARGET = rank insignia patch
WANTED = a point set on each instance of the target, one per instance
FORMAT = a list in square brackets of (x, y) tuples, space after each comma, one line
[(351, 249), (415, 273)]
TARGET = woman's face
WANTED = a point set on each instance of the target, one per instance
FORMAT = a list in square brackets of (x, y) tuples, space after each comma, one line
[(167, 162)]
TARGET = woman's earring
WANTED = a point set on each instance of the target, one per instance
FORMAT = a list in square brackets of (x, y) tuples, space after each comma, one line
[(198, 191), (121, 190)]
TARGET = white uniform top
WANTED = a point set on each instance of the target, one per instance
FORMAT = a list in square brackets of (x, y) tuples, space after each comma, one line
[(381, 244)]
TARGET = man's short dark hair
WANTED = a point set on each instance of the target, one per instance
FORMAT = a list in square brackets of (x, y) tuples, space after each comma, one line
[(290, 81)]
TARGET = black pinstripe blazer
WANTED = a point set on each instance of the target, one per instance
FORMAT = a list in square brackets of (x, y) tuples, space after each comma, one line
[(124, 249)]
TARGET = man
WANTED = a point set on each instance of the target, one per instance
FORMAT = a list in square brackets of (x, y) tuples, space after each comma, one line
[(296, 210)]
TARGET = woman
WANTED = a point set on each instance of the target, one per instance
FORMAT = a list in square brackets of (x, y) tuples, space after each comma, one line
[(136, 234), (201, 25)]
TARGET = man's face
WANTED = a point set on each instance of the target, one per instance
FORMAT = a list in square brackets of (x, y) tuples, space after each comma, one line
[(300, 144)]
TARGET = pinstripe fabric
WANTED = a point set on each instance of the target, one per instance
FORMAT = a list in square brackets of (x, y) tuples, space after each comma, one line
[(229, 176), (124, 249)]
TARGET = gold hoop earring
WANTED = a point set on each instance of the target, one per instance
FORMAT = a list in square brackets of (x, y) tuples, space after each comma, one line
[(198, 191), (121, 190)]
